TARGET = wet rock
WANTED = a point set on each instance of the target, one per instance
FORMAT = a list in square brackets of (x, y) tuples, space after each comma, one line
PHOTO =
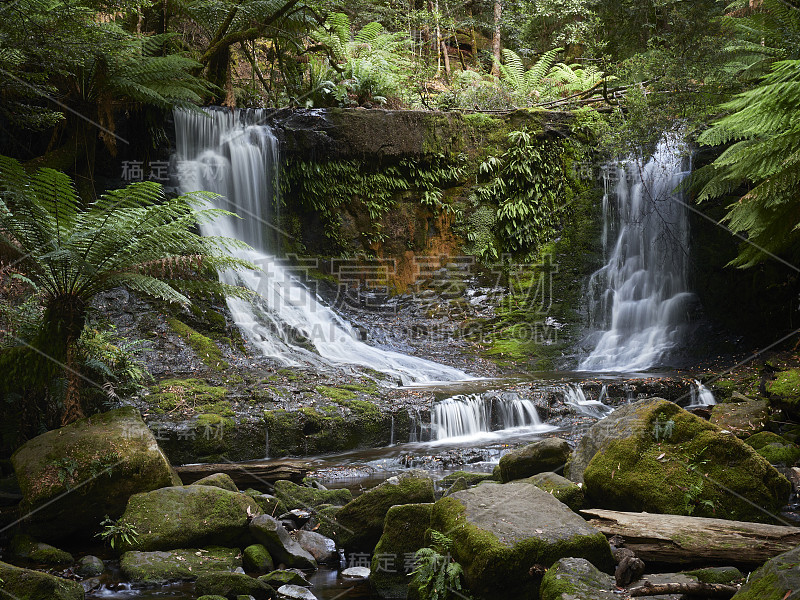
[(573, 578), (284, 577), (540, 457), (656, 457), (270, 505), (500, 531), (741, 418), (459, 485), (560, 487), (116, 444), (256, 558), (90, 566), (220, 480), (777, 579), (188, 517), (324, 521), (210, 597), (295, 592), (403, 534), (283, 549), (716, 575), (471, 477), (175, 565), (231, 585), (24, 584), (322, 548), (356, 573), (25, 547), (360, 522), (305, 497)]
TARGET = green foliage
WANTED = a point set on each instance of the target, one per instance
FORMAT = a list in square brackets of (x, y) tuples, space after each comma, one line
[(437, 575), (527, 84), (117, 533)]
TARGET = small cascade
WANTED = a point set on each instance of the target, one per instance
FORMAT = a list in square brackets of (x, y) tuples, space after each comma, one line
[(471, 415), (414, 423), (701, 395), (639, 301), (575, 397), (391, 432), (233, 154)]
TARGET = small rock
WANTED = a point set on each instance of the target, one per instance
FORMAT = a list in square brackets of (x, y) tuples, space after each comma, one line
[(233, 584), (256, 558), (283, 577), (90, 566), (295, 592), (540, 457), (280, 545), (356, 573), (322, 548)]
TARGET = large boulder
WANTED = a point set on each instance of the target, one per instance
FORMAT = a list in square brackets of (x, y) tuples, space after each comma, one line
[(776, 579), (188, 517), (563, 489), (403, 534), (257, 559), (546, 455), (776, 449), (360, 522), (24, 584), (500, 532), (305, 497), (573, 578), (174, 565), (653, 456), (220, 480), (25, 547), (231, 585), (269, 532), (322, 548), (741, 418), (92, 467)]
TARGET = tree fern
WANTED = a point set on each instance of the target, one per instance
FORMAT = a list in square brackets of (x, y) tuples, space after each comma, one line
[(526, 83), (71, 253)]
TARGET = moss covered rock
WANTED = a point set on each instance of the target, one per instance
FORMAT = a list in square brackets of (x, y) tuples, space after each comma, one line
[(231, 585), (785, 391), (716, 574), (403, 534), (269, 504), (657, 457), (101, 461), (500, 531), (220, 480), (188, 517), (360, 522), (300, 496), (281, 546), (323, 521), (90, 566), (175, 565), (283, 577), (573, 578), (776, 449), (777, 579), (560, 487), (26, 548), (470, 477), (539, 457), (741, 418), (257, 559), (24, 584)]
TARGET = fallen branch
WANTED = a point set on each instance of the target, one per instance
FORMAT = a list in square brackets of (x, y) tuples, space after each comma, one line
[(713, 590)]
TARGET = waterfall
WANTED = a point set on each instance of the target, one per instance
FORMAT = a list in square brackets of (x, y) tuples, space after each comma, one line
[(232, 153), (701, 395), (470, 415), (639, 299), (575, 397)]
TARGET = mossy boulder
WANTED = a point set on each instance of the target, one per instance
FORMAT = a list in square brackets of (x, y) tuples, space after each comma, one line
[(360, 522), (560, 487), (500, 531), (231, 585), (220, 480), (210, 597), (25, 547), (257, 559), (175, 565), (777, 579), (785, 391), (776, 449), (657, 457), (573, 578), (403, 534), (269, 504), (269, 532), (716, 574), (284, 577), (539, 457), (470, 477), (741, 418), (25, 584), (101, 461), (459, 485), (305, 497), (323, 520), (90, 566), (188, 517)]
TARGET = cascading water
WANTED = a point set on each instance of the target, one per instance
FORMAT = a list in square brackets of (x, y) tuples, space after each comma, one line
[(470, 416), (232, 153), (639, 300), (575, 397), (701, 395)]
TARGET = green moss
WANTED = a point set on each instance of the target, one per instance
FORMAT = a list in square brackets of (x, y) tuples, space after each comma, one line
[(370, 388), (717, 575), (335, 393), (222, 408), (213, 420), (298, 496), (470, 477), (170, 393), (256, 558), (780, 454), (786, 385), (25, 584), (759, 440), (204, 347)]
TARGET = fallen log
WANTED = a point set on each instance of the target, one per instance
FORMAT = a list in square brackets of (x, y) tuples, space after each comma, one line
[(254, 473), (706, 590), (688, 540)]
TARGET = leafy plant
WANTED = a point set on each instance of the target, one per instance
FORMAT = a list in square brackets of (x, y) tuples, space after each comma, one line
[(527, 84), (116, 533), (437, 575)]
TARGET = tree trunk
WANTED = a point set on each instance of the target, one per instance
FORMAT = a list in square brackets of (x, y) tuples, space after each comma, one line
[(498, 15), (706, 590), (446, 56), (73, 409), (688, 540)]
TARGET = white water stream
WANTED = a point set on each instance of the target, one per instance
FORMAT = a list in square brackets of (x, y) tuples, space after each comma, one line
[(232, 153), (639, 300)]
